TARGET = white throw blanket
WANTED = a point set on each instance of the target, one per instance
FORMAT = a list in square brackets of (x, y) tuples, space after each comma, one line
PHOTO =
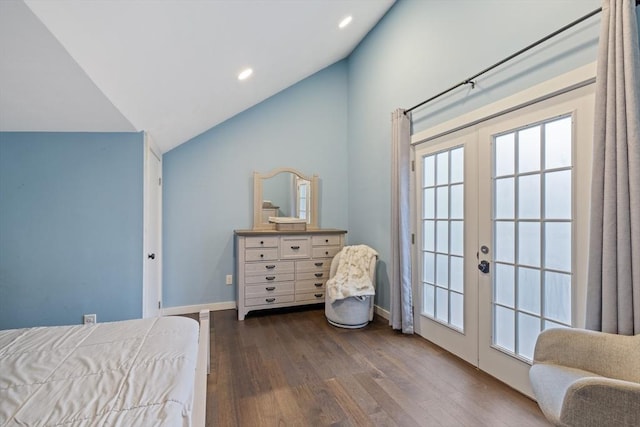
[(352, 276)]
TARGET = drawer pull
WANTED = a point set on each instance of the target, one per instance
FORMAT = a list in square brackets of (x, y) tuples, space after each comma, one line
[(270, 288), (319, 274), (262, 242), (326, 253), (326, 240), (270, 267), (269, 299), (270, 277), (261, 255), (318, 264), (295, 248), (318, 295), (318, 285)]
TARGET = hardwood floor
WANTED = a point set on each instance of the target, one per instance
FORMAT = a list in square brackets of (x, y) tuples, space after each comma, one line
[(291, 368)]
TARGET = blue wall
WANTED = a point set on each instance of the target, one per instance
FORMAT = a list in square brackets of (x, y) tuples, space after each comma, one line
[(71, 204), (417, 50), (70, 227), (421, 48), (208, 181)]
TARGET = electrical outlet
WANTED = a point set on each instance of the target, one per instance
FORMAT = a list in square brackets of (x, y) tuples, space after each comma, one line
[(89, 319), (229, 279)]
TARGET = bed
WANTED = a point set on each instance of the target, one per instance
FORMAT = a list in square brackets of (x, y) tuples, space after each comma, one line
[(144, 372)]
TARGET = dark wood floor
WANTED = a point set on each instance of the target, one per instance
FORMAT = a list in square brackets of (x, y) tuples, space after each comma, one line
[(292, 368)]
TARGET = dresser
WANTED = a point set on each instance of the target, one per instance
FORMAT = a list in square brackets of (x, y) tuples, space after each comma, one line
[(283, 269)]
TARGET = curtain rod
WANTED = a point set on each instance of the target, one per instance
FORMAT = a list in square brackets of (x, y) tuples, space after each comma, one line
[(471, 79)]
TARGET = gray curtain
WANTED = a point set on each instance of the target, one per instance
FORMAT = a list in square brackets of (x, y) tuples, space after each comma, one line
[(401, 317), (613, 288)]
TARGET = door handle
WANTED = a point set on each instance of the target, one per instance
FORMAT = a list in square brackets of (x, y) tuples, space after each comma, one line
[(484, 266), (151, 256)]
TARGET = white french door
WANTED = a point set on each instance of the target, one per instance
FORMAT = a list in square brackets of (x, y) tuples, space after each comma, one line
[(447, 199), (502, 211)]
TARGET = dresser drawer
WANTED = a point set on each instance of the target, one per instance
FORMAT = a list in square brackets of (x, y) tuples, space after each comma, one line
[(279, 268), (261, 242), (261, 254), (269, 267), (269, 278), (325, 251), (311, 285), (313, 265), (294, 247), (268, 289), (269, 300), (329, 240), (313, 275), (311, 297)]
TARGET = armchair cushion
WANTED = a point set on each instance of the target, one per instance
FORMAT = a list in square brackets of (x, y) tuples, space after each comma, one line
[(586, 378)]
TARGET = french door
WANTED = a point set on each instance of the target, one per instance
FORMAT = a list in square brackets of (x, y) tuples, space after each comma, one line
[(501, 218), (447, 199)]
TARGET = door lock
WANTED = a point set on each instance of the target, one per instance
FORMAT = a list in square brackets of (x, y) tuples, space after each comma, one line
[(484, 266)]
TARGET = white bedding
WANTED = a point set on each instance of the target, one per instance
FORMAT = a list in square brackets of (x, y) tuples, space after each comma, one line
[(130, 373)]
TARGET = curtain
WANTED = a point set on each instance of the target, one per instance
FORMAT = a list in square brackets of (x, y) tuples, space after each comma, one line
[(613, 287), (401, 312)]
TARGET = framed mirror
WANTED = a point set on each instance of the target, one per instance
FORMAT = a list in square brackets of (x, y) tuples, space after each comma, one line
[(284, 192)]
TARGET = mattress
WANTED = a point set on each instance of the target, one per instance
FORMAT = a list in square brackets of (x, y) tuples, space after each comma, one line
[(131, 373)]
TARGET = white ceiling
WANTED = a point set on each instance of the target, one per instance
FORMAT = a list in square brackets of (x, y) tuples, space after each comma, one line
[(168, 67)]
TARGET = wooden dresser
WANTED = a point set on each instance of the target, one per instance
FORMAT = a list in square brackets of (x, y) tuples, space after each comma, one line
[(283, 269)]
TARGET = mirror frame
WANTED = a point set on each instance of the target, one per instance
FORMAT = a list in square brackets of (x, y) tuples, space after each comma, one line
[(257, 198)]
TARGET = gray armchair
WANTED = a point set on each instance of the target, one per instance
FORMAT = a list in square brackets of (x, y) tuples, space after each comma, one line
[(587, 378)]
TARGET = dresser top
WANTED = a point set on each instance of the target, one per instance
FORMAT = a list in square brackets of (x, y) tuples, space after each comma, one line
[(279, 232)]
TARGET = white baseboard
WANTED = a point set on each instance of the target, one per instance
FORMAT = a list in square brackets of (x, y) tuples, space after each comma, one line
[(382, 312), (231, 305), (187, 309)]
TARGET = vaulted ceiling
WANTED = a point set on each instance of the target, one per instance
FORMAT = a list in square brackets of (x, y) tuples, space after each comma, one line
[(168, 67)]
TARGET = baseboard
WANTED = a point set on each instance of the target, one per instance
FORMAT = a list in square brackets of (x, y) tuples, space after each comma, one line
[(382, 312), (231, 305), (187, 309)]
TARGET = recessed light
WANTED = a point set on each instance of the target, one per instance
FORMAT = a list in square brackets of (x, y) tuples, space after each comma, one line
[(244, 74), (346, 21)]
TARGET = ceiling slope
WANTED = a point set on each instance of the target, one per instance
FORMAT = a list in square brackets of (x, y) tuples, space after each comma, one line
[(42, 88), (169, 67)]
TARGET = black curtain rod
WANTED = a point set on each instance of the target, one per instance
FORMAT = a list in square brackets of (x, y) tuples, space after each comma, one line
[(471, 79)]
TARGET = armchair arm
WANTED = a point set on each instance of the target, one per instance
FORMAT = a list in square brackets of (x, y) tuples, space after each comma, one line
[(609, 355), (599, 401)]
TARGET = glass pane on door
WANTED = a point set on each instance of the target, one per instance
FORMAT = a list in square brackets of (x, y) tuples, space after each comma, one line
[(532, 233), (443, 237)]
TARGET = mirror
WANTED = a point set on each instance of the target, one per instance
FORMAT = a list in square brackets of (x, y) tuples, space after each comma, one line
[(284, 192)]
